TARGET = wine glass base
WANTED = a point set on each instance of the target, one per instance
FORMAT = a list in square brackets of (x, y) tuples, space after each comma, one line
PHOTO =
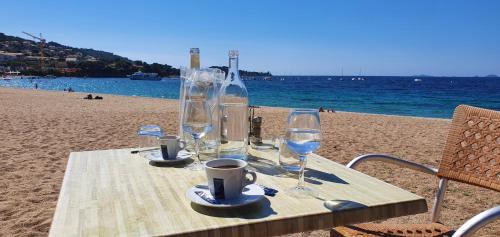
[(196, 166), (302, 192)]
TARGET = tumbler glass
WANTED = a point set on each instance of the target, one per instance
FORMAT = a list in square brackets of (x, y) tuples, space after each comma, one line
[(288, 160)]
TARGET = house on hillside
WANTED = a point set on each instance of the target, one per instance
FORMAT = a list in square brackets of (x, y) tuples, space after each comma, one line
[(4, 56), (71, 59)]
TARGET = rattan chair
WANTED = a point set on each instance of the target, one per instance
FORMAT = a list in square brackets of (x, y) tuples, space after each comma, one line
[(471, 155)]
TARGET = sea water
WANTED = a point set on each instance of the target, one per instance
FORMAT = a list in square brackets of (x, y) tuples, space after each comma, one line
[(434, 97)]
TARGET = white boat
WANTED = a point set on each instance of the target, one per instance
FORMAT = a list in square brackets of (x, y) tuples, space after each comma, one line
[(417, 80), (359, 78), (144, 76), (11, 75)]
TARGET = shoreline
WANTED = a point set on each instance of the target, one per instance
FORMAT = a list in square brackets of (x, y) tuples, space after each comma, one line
[(261, 106)]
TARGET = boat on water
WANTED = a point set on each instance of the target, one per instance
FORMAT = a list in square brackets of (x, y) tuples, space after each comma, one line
[(258, 78), (417, 80), (14, 75), (11, 75), (359, 78), (144, 76)]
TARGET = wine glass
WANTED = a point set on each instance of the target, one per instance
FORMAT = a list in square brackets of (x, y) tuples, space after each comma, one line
[(303, 137), (197, 121)]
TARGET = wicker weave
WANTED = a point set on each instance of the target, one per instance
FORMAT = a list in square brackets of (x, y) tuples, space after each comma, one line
[(472, 151), (471, 155), (372, 230)]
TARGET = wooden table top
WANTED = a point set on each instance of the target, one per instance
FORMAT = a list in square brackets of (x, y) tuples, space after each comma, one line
[(113, 192)]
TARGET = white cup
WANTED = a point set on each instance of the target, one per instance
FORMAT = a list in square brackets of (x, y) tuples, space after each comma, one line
[(171, 145), (227, 177)]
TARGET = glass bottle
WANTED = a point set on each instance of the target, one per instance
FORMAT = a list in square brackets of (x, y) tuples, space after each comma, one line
[(233, 115), (185, 83)]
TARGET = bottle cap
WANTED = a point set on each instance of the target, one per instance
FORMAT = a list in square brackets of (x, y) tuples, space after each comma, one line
[(194, 50), (234, 53)]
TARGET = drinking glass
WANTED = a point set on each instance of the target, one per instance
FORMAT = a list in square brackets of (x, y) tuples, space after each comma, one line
[(288, 159), (149, 135), (197, 121), (303, 136)]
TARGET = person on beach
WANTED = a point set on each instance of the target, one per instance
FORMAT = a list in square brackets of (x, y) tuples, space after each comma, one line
[(36, 86), (321, 109)]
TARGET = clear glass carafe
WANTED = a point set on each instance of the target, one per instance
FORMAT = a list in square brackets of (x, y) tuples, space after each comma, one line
[(233, 114)]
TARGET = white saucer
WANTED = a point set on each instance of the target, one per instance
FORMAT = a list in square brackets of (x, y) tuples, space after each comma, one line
[(155, 156), (251, 193)]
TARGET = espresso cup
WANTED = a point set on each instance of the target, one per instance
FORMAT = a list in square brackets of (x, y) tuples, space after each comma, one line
[(170, 145), (227, 177)]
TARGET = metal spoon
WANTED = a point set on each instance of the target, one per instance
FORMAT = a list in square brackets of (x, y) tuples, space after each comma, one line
[(137, 151)]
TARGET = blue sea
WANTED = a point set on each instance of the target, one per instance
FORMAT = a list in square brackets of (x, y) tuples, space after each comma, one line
[(428, 97)]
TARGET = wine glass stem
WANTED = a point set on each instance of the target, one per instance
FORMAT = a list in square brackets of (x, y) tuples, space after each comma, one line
[(302, 164), (197, 149)]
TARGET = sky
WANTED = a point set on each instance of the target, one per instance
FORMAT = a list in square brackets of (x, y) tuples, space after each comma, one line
[(371, 37)]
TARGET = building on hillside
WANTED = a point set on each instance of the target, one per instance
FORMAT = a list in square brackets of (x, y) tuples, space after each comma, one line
[(89, 58), (4, 69), (71, 59), (35, 58), (61, 64), (4, 56), (69, 70)]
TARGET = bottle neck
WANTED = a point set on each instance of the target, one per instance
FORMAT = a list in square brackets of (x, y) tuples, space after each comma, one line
[(233, 71)]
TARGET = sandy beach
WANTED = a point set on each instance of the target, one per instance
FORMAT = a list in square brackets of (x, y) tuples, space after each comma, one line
[(38, 130)]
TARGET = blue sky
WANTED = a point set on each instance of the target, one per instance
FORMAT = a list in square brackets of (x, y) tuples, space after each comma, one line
[(451, 38)]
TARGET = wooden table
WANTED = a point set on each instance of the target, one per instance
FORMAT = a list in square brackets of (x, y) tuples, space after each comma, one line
[(112, 192)]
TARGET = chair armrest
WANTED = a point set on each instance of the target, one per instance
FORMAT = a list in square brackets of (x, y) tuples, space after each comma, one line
[(478, 221), (393, 160), (436, 209)]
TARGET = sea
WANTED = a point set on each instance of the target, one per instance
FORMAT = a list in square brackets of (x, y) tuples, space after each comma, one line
[(434, 97)]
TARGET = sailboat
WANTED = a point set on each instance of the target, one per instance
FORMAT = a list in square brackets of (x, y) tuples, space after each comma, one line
[(359, 78)]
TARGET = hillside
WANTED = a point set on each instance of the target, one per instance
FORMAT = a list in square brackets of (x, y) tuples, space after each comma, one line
[(18, 54), (23, 55), (244, 73)]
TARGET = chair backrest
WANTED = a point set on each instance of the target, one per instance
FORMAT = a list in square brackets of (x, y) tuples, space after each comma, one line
[(472, 150)]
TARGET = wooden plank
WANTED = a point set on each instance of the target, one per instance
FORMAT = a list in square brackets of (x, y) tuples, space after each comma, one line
[(113, 192)]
